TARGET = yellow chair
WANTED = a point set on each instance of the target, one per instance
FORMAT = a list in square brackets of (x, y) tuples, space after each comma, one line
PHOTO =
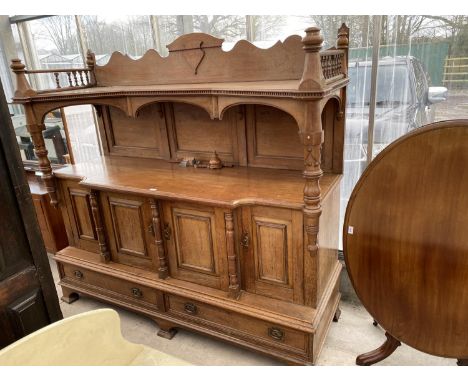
[(88, 339)]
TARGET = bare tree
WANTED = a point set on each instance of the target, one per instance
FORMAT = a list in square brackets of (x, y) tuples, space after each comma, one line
[(225, 26), (61, 31), (267, 27)]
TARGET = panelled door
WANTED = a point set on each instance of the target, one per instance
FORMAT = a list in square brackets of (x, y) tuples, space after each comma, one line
[(128, 223), (78, 217), (271, 252), (196, 243)]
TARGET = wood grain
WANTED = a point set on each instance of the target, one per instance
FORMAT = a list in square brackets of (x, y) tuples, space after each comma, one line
[(228, 187), (405, 239)]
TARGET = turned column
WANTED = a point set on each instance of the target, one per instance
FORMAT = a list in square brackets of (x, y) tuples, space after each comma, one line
[(342, 42), (157, 229), (312, 136), (234, 287), (35, 130), (91, 63), (97, 218), (23, 89), (312, 76)]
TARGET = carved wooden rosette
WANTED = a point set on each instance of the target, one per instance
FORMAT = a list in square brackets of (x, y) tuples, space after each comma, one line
[(97, 218), (163, 270), (234, 287)]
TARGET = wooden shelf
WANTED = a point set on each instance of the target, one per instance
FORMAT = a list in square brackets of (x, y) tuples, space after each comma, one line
[(280, 89), (228, 187)]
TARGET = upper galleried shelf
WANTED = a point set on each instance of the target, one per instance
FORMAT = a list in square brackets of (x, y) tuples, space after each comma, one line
[(197, 64)]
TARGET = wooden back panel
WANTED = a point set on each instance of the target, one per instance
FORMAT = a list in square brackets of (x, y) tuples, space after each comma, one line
[(248, 135), (405, 239), (199, 58)]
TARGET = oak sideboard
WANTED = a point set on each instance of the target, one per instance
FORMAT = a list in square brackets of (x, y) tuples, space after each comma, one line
[(215, 205)]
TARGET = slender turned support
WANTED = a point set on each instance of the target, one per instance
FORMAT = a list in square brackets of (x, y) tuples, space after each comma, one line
[(342, 42), (380, 353), (234, 287), (157, 229), (96, 212), (35, 130), (313, 139), (91, 63), (312, 76)]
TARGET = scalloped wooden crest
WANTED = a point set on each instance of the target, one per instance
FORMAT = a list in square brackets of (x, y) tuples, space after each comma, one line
[(194, 41)]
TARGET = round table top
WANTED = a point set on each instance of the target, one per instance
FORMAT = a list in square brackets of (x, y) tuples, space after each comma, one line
[(405, 239)]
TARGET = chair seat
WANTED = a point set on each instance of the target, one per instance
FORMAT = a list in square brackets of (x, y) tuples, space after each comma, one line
[(87, 339)]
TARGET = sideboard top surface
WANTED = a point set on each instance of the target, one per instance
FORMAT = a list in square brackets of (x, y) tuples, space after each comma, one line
[(228, 187)]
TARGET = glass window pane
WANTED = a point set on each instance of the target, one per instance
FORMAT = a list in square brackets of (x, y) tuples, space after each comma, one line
[(433, 51), (130, 35)]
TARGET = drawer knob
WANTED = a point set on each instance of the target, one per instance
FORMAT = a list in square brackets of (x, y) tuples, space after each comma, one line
[(78, 274), (190, 308), (136, 292), (276, 333)]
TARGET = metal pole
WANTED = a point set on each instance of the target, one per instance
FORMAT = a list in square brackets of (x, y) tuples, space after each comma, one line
[(377, 22)]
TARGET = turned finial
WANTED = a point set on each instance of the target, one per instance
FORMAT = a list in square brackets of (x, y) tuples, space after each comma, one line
[(23, 89), (313, 40), (17, 66), (90, 59), (312, 75), (91, 63), (343, 37), (215, 162)]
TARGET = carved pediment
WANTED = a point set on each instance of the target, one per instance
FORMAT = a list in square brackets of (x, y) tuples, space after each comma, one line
[(199, 58)]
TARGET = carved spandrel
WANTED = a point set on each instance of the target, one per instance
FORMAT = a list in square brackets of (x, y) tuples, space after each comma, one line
[(95, 210), (163, 270)]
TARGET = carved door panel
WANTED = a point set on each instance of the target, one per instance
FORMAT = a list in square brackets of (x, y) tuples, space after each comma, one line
[(271, 252), (196, 244), (77, 216), (128, 223)]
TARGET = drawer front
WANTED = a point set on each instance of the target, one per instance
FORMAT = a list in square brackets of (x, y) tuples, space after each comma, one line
[(250, 329), (131, 291)]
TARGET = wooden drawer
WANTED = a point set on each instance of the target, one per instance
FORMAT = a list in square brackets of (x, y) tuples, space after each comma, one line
[(251, 329), (137, 293)]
